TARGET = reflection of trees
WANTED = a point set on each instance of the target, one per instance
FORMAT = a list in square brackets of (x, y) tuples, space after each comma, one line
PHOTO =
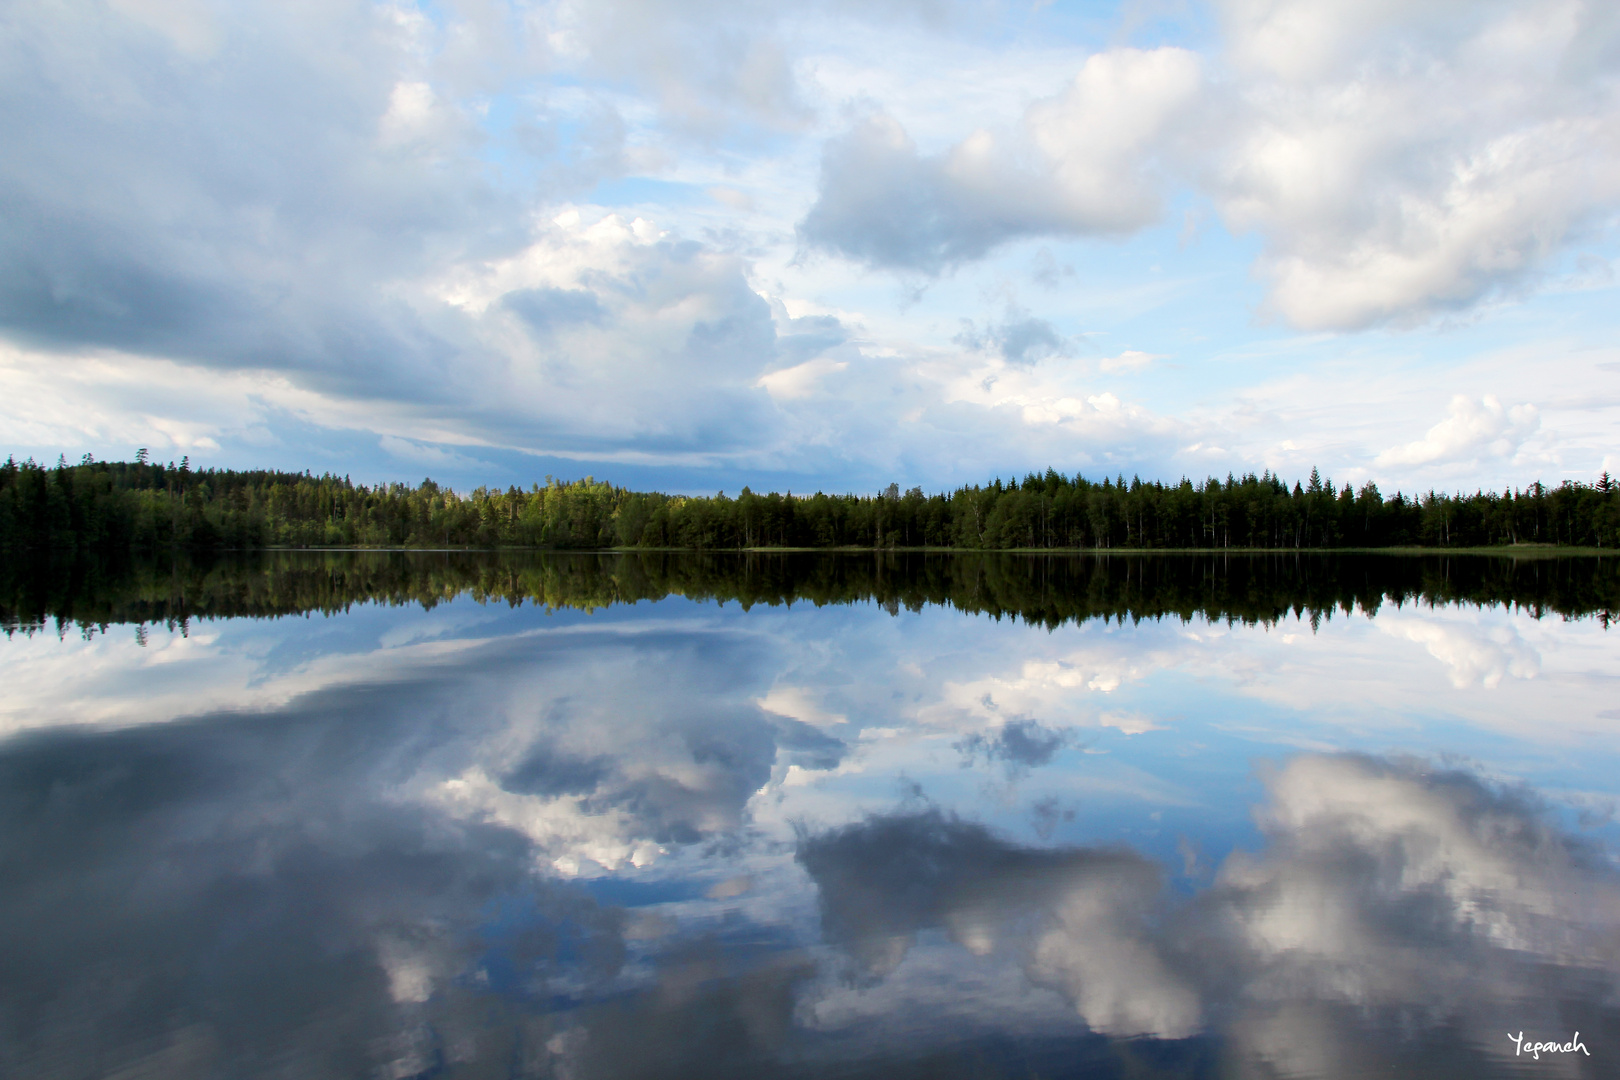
[(1049, 590)]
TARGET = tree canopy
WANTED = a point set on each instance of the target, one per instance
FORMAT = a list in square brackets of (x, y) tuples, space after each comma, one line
[(143, 505)]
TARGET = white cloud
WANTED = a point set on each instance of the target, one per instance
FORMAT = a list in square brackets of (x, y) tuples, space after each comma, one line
[(1472, 431), (1078, 163), (1401, 160), (1398, 161)]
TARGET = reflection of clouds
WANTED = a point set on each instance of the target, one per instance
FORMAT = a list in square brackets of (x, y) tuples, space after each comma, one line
[(1061, 689), (602, 745), (798, 703), (706, 1016), (1078, 919), (113, 682), (1384, 888), (238, 897), (1019, 744), (620, 745), (284, 883), (561, 826), (1351, 836), (360, 810), (1474, 655)]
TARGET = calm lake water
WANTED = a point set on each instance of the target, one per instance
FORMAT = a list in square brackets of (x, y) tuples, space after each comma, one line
[(340, 815)]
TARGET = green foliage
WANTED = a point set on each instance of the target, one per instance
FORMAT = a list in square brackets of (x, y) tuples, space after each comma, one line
[(1050, 590), (141, 506)]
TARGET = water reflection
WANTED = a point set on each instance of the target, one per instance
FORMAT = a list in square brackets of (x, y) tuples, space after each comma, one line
[(1048, 589), (682, 839)]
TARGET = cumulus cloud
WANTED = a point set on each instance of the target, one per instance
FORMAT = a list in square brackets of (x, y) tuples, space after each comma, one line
[(156, 211), (1403, 160), (1398, 161), (1472, 431), (611, 331), (156, 206), (1078, 164)]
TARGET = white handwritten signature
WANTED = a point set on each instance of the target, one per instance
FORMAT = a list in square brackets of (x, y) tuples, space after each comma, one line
[(1536, 1049)]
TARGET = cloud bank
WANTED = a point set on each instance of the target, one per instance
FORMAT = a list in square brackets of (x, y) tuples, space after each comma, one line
[(733, 241)]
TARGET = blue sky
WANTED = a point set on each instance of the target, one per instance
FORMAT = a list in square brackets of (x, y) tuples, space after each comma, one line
[(692, 245)]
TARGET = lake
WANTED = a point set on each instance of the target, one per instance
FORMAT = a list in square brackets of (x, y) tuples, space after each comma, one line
[(656, 815)]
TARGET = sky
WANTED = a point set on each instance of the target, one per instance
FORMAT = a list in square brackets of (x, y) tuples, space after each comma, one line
[(695, 245)]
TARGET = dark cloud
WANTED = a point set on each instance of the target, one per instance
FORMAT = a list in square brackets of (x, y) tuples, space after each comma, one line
[(711, 1013), (228, 194), (545, 771)]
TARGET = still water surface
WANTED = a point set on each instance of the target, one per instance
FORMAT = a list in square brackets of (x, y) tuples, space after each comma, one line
[(580, 817)]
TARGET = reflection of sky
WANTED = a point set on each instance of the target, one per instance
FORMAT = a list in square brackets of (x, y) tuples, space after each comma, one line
[(808, 827)]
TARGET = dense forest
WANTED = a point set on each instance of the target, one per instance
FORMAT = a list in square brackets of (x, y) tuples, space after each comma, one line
[(133, 506), (1049, 589)]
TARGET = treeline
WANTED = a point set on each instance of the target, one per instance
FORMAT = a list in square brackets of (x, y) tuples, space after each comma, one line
[(94, 593), (132, 506)]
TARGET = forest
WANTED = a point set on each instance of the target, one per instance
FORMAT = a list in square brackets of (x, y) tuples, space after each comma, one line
[(1050, 589), (105, 506)]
